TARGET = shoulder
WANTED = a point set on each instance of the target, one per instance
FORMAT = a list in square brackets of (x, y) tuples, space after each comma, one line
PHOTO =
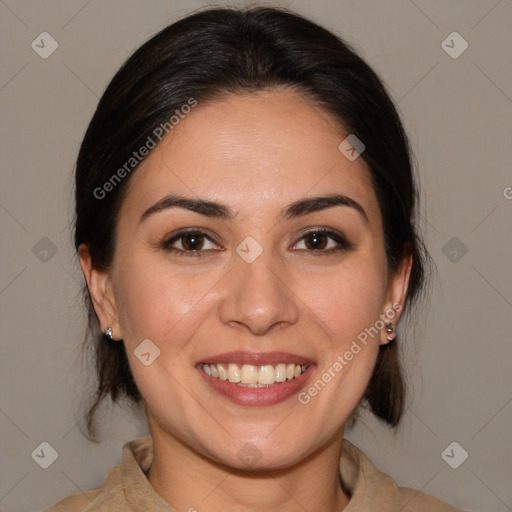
[(416, 501), (110, 496), (124, 488), (372, 489)]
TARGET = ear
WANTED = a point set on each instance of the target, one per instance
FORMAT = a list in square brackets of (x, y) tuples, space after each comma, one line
[(395, 298), (100, 289)]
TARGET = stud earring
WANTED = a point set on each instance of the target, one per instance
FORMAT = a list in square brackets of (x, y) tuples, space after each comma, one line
[(391, 331), (108, 332)]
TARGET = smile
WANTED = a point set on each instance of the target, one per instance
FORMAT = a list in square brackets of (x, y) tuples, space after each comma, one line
[(256, 378), (248, 375)]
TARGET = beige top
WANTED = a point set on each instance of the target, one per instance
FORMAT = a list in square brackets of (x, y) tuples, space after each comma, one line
[(126, 487)]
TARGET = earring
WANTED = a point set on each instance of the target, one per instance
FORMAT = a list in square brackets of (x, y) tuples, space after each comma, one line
[(391, 331), (108, 332)]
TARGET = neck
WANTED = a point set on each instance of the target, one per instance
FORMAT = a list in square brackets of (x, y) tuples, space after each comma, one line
[(191, 482)]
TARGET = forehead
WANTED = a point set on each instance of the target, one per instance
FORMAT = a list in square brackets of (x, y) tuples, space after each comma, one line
[(260, 150)]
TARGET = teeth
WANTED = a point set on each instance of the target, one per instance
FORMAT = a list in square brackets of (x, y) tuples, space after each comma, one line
[(280, 373), (267, 375), (221, 369), (249, 374), (253, 376), (234, 374)]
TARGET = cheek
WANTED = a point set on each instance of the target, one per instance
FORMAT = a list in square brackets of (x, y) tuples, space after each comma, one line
[(158, 303), (163, 306), (347, 301), (347, 313)]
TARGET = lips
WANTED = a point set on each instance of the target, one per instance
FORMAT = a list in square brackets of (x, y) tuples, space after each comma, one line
[(256, 358), (256, 379)]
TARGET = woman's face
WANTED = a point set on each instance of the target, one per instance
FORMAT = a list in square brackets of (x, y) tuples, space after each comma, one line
[(256, 288)]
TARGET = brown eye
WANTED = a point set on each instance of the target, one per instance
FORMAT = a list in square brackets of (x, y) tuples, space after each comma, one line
[(323, 241), (192, 242), (189, 243), (316, 241)]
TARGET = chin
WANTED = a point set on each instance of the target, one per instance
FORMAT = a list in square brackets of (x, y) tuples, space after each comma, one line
[(261, 455)]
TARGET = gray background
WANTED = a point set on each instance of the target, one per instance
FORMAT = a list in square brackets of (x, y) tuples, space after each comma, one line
[(457, 113)]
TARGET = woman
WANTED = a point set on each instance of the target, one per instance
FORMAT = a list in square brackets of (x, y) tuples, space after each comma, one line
[(245, 225)]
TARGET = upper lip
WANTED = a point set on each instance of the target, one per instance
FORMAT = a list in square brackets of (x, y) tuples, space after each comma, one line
[(256, 358)]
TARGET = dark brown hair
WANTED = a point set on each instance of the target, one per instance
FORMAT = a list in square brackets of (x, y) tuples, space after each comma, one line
[(216, 52)]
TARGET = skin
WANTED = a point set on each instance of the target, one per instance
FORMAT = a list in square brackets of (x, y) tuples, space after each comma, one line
[(255, 153)]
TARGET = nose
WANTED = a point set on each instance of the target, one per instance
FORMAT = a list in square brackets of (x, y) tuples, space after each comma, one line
[(257, 297)]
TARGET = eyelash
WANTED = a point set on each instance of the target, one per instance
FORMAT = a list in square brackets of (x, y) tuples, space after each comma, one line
[(343, 244)]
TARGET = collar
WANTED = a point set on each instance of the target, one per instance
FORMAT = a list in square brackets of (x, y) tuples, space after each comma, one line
[(368, 488)]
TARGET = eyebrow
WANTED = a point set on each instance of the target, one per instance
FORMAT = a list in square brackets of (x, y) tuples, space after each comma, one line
[(220, 211)]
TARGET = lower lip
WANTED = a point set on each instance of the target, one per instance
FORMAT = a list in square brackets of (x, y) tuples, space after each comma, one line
[(272, 395)]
